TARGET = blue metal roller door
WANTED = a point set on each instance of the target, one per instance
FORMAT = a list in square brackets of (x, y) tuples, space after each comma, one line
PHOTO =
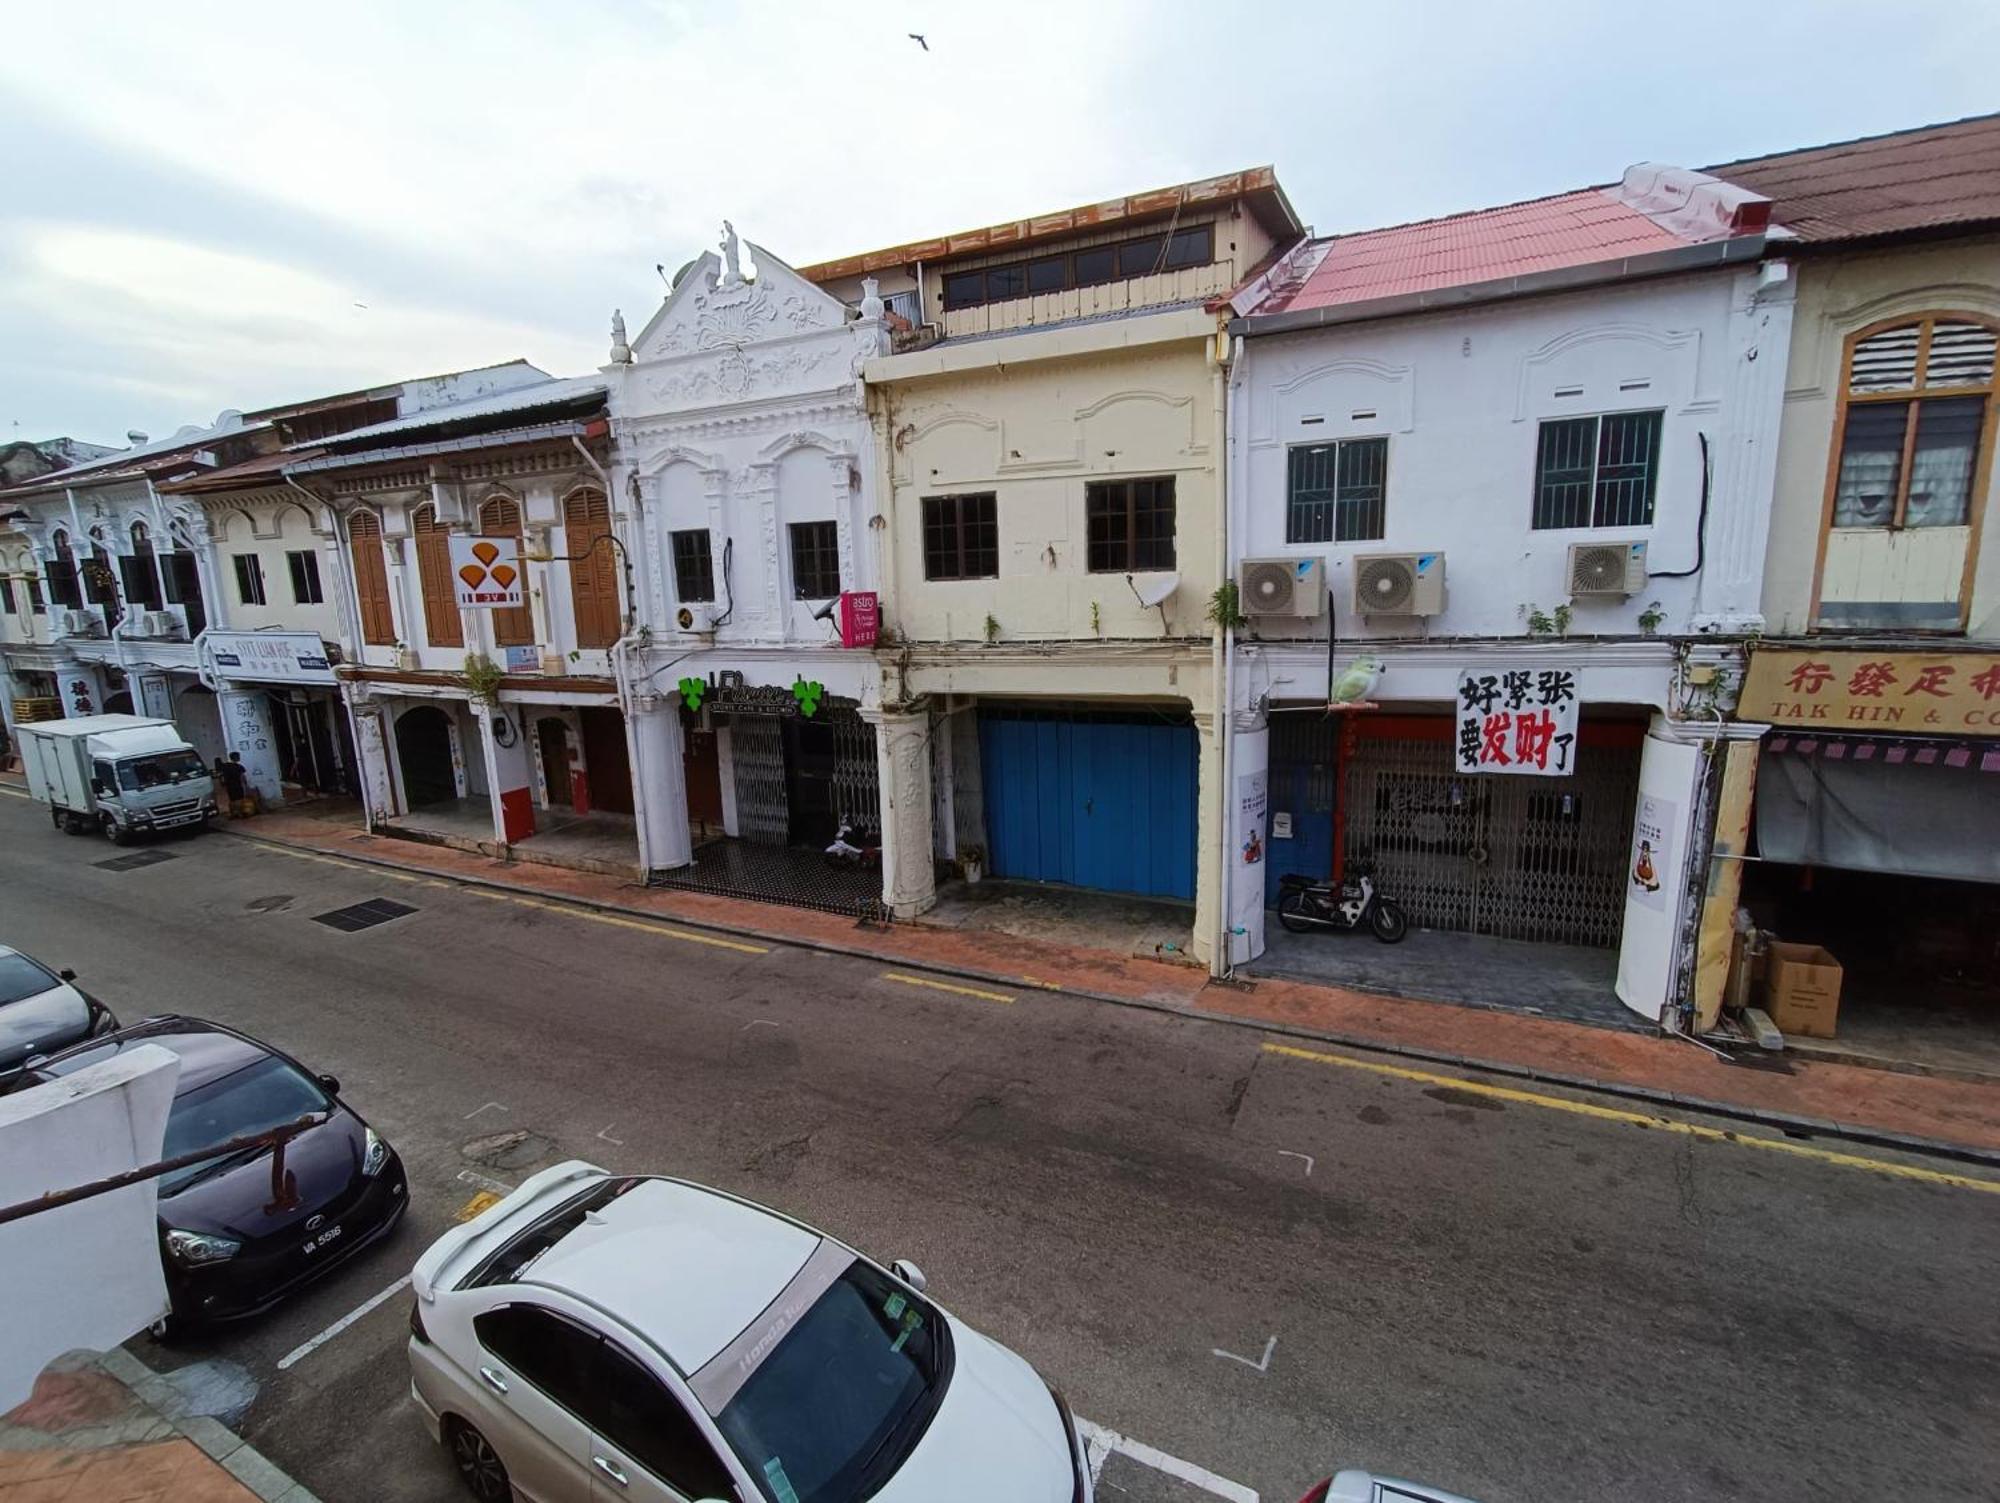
[(1105, 802)]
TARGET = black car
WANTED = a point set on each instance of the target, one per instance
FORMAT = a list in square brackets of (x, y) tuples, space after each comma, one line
[(231, 1246), (42, 1010)]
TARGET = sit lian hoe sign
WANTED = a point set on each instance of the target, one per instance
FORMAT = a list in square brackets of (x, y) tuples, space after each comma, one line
[(1918, 693)]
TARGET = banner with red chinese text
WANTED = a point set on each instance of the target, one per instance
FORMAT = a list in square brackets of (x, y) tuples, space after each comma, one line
[(1517, 720), (1917, 693)]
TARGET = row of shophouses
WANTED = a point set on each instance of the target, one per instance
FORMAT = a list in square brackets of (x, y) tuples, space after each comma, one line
[(1041, 550)]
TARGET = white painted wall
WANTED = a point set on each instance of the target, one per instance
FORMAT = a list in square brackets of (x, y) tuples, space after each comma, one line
[(271, 529)]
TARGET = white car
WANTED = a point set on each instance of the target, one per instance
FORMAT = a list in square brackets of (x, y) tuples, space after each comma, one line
[(597, 1336)]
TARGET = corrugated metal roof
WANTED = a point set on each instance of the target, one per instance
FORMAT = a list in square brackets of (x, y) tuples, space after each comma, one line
[(1489, 245), (304, 462), (1934, 177), (520, 399), (141, 458), (264, 469)]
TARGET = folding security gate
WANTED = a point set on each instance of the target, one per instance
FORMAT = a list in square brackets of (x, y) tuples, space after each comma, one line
[(1101, 800), (1518, 857)]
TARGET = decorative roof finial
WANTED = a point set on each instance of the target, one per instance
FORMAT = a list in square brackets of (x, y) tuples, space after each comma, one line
[(871, 300), (732, 258), (621, 351)]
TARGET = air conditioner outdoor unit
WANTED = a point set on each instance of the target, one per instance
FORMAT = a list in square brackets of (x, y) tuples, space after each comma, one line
[(1282, 587), (159, 624), (1607, 568), (79, 624), (1398, 584), (697, 617)]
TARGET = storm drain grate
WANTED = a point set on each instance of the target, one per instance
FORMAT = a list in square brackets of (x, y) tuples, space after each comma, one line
[(134, 861), (363, 915)]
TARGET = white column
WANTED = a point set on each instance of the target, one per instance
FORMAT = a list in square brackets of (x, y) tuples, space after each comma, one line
[(1651, 948), (371, 748), (1250, 842), (659, 783), (246, 728), (903, 766), (509, 774)]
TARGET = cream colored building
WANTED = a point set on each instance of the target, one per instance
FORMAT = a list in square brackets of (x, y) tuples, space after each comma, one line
[(1051, 425)]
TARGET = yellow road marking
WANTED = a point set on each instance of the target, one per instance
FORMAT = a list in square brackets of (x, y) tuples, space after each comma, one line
[(15, 793), (1643, 1119), (475, 1205), (946, 986)]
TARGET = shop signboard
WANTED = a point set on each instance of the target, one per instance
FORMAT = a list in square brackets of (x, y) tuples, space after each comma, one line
[(1520, 720), (1913, 693), (860, 618), (269, 657), (486, 573)]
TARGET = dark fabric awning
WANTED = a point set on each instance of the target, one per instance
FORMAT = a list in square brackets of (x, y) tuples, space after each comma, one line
[(1912, 808)]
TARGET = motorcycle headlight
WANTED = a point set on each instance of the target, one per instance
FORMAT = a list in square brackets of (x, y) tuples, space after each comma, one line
[(195, 1248), (375, 1155)]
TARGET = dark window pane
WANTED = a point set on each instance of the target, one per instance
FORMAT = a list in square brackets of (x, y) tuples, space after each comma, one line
[(305, 577), (1003, 282), (1152, 524), (1941, 469), (1871, 464), (694, 565), (542, 1348), (6, 595), (1309, 494), (1362, 476), (1628, 462), (1099, 264), (1108, 541), (629, 1408), (961, 537), (815, 560), (1141, 258), (1565, 458), (142, 585), (1192, 246), (1050, 275), (964, 289), (981, 518), (249, 579), (1129, 525), (35, 601)]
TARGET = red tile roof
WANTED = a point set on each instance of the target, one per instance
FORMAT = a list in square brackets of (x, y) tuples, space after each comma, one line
[(1935, 177)]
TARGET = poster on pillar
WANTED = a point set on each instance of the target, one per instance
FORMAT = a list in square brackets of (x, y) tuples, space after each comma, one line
[(486, 573), (1520, 720), (1252, 800), (1652, 852)]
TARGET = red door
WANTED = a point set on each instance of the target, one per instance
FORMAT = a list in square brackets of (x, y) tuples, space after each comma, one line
[(703, 766)]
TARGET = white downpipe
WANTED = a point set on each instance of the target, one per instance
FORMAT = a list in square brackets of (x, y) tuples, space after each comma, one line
[(1222, 720)]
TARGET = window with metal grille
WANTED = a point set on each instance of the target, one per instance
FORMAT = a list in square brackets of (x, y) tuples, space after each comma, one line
[(815, 560), (961, 537), (1130, 525), (694, 565), (1336, 492), (304, 566), (1142, 256), (249, 578), (1597, 471), (1915, 407)]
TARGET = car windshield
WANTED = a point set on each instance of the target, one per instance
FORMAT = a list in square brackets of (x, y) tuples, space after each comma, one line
[(21, 977), (830, 1414), (157, 771), (263, 1094)]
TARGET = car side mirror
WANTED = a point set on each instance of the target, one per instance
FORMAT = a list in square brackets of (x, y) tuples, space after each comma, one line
[(909, 1273), (66, 974), (330, 1083)]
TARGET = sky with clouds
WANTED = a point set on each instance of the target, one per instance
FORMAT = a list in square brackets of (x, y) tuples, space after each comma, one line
[(212, 205)]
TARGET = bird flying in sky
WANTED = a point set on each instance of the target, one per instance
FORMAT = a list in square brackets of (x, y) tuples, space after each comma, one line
[(918, 39)]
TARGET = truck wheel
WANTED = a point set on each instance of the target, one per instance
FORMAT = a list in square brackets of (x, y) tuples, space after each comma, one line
[(118, 833), (76, 824)]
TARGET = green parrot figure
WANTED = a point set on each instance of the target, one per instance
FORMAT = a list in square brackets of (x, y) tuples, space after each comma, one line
[(1357, 682)]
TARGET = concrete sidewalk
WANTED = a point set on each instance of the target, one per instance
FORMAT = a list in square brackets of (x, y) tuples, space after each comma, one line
[(1820, 1098), (107, 1427)]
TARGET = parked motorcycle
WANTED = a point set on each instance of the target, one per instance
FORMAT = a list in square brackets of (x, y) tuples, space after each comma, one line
[(1357, 903), (854, 845)]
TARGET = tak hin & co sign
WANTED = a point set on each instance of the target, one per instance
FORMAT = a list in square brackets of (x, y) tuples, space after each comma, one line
[(1520, 720), (1922, 693)]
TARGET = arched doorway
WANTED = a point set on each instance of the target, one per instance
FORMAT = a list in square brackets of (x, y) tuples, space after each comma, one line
[(553, 736), (423, 750)]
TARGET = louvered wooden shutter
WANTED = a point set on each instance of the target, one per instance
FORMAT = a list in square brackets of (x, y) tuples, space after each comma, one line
[(371, 579), (593, 570), (501, 518), (441, 623)]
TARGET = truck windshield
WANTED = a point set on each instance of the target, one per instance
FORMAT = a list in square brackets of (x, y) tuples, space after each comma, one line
[(158, 770)]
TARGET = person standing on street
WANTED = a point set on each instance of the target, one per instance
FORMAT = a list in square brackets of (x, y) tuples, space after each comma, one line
[(236, 783)]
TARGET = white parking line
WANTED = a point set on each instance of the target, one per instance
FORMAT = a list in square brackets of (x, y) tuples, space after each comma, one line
[(1098, 1443), (306, 1349)]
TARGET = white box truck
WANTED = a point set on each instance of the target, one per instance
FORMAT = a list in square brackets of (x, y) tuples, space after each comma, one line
[(126, 775)]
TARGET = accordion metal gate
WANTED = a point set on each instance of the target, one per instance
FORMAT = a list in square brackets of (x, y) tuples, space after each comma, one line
[(1516, 857)]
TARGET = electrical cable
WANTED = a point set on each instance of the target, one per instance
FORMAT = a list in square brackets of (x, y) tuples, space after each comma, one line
[(1700, 526)]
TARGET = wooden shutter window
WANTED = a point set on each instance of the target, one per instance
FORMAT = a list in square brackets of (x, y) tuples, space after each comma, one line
[(371, 579), (501, 518), (441, 623), (593, 569)]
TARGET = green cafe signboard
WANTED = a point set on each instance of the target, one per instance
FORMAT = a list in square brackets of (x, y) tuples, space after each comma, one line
[(729, 695)]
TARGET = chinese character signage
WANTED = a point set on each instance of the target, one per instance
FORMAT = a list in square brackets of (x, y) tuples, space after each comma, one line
[(1923, 694), (1652, 845), (270, 657), (1517, 720), (486, 573), (860, 618)]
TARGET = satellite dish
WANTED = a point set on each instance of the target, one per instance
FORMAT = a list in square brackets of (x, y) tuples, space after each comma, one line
[(1156, 589)]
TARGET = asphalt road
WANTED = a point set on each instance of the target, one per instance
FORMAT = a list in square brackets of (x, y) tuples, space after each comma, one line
[(1503, 1297)]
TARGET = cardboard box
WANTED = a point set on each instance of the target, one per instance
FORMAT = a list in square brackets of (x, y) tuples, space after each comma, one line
[(1802, 989)]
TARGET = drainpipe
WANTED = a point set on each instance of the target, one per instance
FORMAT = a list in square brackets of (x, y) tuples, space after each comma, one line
[(1223, 719), (881, 425), (161, 533), (348, 606)]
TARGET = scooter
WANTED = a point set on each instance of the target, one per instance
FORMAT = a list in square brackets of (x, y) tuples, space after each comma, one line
[(1305, 905), (854, 845)]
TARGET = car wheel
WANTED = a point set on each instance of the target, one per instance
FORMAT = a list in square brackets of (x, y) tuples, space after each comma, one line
[(479, 1466), (166, 1330)]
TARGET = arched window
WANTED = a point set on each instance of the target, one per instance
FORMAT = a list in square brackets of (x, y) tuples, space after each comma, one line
[(61, 572), (184, 578), (371, 579), (100, 582), (441, 622), (593, 570), (1916, 424), (500, 517), (142, 580)]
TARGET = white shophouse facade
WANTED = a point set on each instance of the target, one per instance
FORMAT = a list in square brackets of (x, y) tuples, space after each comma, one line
[(743, 446), (1425, 431)]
